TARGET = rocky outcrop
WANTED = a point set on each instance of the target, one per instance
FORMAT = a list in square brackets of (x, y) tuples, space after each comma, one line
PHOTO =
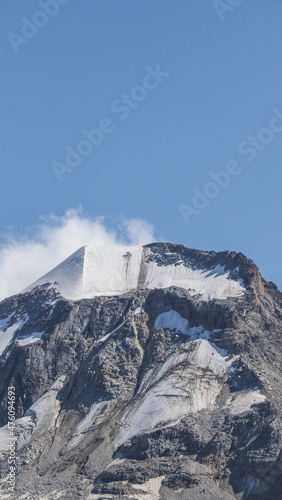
[(156, 393)]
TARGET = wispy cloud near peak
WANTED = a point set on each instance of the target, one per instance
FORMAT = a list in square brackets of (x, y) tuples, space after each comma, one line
[(26, 257)]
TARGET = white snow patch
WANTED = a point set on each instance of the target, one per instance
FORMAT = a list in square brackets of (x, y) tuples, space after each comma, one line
[(222, 352), (96, 413), (47, 404), (94, 271), (116, 461), (236, 270), (211, 284), (7, 334), (38, 419), (239, 403), (151, 488), (252, 485), (105, 337), (30, 339), (172, 320), (145, 491), (252, 440), (55, 495)]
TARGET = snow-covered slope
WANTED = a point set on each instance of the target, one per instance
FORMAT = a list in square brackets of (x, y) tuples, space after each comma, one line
[(164, 397), (103, 271)]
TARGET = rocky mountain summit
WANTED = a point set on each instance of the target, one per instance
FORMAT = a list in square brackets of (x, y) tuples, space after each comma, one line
[(144, 373)]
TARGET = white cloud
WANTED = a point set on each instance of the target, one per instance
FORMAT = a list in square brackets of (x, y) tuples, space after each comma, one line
[(138, 231), (24, 259)]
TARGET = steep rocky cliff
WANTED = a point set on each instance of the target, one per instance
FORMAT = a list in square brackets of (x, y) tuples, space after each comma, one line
[(144, 373)]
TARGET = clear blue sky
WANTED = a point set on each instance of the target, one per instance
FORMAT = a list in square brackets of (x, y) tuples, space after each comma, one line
[(224, 80)]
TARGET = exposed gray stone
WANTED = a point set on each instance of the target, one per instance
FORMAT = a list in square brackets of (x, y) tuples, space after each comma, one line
[(83, 443)]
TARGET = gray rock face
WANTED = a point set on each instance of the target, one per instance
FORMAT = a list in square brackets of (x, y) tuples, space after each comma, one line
[(156, 393)]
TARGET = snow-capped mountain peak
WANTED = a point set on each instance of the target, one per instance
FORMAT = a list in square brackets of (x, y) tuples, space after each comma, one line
[(156, 393), (103, 271)]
